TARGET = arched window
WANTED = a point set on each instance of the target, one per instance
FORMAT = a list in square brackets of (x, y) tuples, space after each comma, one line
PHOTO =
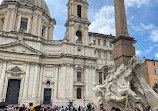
[(105, 73), (78, 37), (79, 93)]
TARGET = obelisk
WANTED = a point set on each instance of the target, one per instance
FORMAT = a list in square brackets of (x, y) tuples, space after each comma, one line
[(123, 44)]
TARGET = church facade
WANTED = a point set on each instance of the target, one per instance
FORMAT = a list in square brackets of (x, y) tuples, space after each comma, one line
[(35, 68)]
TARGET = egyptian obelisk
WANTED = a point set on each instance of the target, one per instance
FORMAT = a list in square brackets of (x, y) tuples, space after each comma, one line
[(123, 44)]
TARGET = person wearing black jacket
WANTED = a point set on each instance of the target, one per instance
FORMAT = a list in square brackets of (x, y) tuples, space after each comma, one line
[(2, 106)]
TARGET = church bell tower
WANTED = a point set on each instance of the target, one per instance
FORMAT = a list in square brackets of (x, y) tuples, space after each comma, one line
[(77, 22)]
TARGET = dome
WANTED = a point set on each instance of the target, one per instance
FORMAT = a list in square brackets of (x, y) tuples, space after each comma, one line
[(38, 3)]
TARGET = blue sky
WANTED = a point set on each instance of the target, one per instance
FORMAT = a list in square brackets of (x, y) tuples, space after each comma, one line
[(142, 18)]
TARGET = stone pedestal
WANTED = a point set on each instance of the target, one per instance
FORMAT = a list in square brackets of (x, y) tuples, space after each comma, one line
[(123, 50)]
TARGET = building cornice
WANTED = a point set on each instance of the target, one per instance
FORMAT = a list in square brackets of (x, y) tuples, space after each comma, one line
[(101, 35)]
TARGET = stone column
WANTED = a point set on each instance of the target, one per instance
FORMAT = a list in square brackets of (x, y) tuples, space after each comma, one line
[(75, 10), (72, 9), (2, 78), (94, 79), (36, 23), (26, 81), (39, 26), (72, 83), (56, 82), (10, 19), (34, 92), (40, 82), (87, 82), (29, 25), (71, 33), (62, 76), (51, 30), (6, 20), (85, 36)]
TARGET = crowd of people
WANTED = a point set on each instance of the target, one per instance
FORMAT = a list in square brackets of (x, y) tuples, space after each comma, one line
[(31, 107)]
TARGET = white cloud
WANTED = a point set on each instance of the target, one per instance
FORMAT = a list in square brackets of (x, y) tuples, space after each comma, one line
[(149, 50), (138, 52), (150, 29), (135, 3), (154, 35), (104, 21), (156, 55)]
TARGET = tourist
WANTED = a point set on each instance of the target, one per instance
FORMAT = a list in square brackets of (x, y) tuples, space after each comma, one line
[(45, 108), (148, 108), (2, 106), (61, 109), (32, 108), (101, 108), (74, 109), (136, 109), (89, 107), (117, 109), (22, 108), (79, 108), (113, 109), (17, 108), (41, 109)]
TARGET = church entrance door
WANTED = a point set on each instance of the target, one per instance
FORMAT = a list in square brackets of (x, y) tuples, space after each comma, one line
[(47, 96), (12, 95)]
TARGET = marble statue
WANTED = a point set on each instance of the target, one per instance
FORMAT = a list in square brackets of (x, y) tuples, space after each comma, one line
[(126, 87)]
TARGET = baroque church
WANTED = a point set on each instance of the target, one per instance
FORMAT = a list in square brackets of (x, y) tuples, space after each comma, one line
[(35, 68)]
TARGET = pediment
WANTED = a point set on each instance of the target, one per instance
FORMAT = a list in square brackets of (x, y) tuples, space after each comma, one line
[(18, 47)]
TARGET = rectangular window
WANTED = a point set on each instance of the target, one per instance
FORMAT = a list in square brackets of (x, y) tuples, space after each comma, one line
[(99, 41), (100, 77), (23, 24), (110, 44), (155, 71), (79, 74), (43, 31), (99, 51), (104, 42), (1, 24), (95, 51), (94, 42), (79, 93), (79, 10), (105, 52), (110, 53), (154, 63)]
